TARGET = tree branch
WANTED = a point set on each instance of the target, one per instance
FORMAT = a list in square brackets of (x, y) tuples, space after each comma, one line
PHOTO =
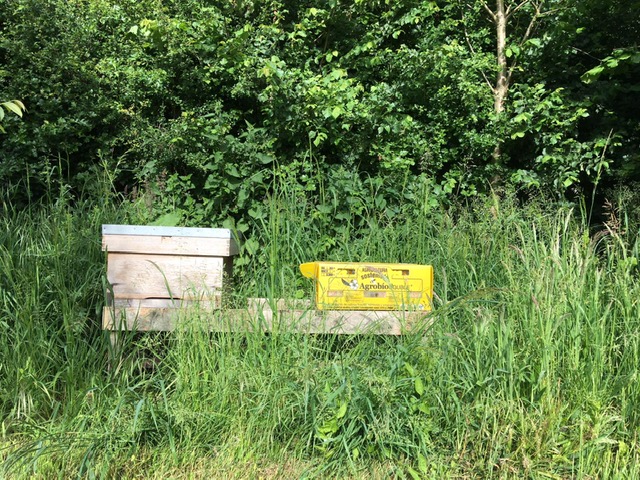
[(509, 13), (489, 11), (586, 53), (532, 23), (551, 12)]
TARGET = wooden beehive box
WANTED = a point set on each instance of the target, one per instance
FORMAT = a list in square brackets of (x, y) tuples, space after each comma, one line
[(150, 269)]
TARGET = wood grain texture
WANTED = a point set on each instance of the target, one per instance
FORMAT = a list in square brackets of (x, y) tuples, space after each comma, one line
[(299, 321), (138, 276), (255, 304), (213, 302), (159, 245), (339, 322)]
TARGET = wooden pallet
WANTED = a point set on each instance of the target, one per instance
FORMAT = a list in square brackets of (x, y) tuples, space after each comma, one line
[(260, 316)]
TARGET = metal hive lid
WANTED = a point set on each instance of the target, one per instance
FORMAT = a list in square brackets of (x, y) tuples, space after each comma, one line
[(167, 231)]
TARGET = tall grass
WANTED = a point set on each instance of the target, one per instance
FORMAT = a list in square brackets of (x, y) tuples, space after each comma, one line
[(529, 368)]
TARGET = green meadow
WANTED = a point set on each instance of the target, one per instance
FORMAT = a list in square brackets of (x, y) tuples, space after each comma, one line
[(528, 368)]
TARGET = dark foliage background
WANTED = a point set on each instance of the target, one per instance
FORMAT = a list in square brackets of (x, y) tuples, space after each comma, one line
[(203, 104)]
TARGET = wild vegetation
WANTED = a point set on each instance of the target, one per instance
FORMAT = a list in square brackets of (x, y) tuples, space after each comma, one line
[(528, 368), (206, 103), (496, 141)]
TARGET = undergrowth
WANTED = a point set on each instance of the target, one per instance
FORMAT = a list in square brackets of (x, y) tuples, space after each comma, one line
[(529, 368)]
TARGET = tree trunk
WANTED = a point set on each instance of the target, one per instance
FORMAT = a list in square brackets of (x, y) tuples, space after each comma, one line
[(502, 82)]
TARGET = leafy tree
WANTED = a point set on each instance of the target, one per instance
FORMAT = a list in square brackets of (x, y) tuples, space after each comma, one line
[(205, 105), (503, 15)]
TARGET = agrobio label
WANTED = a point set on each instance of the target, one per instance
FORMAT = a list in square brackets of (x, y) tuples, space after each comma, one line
[(371, 286)]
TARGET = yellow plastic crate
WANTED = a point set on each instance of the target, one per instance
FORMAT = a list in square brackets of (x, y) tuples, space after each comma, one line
[(371, 286)]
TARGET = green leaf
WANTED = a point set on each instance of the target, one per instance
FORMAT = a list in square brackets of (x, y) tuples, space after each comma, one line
[(13, 107), (414, 474), (355, 453), (264, 159), (168, 220), (251, 246), (536, 42), (380, 201), (419, 386), (410, 370), (592, 74), (521, 117), (328, 429), (422, 464), (232, 171), (229, 223), (256, 214), (342, 411), (242, 196), (612, 62)]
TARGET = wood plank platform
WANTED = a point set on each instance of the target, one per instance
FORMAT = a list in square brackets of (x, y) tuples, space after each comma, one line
[(263, 318)]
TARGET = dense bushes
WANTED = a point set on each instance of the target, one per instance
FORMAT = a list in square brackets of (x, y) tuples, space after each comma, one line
[(212, 103)]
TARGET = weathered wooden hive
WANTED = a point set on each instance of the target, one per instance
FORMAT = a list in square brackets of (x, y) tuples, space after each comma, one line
[(152, 271)]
